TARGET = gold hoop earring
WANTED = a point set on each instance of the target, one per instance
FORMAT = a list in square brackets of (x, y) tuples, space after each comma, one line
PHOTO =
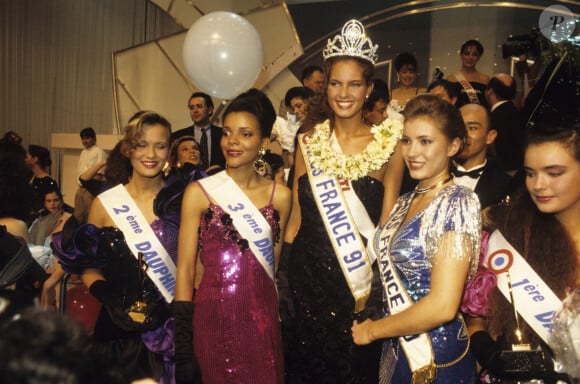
[(260, 165)]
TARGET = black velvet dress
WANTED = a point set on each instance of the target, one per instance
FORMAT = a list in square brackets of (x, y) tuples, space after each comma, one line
[(318, 343), (119, 348)]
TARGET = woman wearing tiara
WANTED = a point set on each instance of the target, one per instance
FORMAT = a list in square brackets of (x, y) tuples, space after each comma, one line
[(344, 181), (236, 217), (426, 252)]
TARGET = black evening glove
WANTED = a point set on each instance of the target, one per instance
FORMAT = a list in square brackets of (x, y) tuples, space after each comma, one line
[(103, 291), (486, 351), (186, 367), (284, 298)]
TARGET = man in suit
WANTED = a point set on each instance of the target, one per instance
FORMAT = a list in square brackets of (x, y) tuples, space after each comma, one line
[(206, 134), (473, 170), (507, 121), (444, 89), (312, 77), (376, 104)]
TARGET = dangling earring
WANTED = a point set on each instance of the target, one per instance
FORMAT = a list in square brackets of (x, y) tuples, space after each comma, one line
[(260, 165)]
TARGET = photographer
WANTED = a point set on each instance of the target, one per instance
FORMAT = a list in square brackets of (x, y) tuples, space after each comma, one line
[(527, 49)]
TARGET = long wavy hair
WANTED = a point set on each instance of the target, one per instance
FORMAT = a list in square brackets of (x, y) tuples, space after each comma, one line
[(540, 238)]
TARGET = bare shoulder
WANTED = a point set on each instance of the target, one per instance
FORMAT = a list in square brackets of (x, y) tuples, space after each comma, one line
[(452, 78), (98, 215), (194, 197), (282, 192), (15, 227), (282, 198)]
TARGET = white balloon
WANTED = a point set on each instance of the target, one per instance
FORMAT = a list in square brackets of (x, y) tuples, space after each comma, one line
[(222, 54)]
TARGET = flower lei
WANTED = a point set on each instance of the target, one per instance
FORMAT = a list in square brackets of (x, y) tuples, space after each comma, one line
[(353, 167)]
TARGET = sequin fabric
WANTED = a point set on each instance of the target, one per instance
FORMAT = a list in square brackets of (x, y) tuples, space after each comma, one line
[(168, 232), (451, 220), (236, 325), (318, 342)]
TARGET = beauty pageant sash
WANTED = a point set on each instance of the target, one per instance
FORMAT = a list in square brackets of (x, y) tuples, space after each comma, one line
[(417, 348), (342, 228), (359, 213), (140, 237), (246, 217), (535, 301), (469, 90)]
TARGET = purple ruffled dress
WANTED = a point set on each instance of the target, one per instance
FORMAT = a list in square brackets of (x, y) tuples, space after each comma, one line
[(236, 327)]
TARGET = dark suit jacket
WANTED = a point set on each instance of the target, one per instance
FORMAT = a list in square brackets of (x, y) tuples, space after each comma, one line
[(493, 185), (509, 144), (217, 156)]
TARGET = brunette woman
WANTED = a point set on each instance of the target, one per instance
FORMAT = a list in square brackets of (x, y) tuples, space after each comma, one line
[(471, 84), (542, 224), (236, 219), (345, 182)]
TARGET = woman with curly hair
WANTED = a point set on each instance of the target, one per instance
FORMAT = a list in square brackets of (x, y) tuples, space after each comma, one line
[(125, 256)]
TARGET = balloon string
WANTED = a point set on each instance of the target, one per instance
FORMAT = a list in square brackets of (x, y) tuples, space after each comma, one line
[(195, 7)]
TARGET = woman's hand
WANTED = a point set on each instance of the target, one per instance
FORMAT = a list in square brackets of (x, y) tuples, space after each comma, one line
[(362, 332), (48, 293)]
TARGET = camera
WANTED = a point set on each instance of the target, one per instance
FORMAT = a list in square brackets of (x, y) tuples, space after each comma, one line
[(520, 44)]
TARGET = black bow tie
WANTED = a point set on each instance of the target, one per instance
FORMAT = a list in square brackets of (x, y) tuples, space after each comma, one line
[(474, 174)]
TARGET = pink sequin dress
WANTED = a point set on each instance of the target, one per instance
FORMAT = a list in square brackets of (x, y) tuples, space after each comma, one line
[(236, 327)]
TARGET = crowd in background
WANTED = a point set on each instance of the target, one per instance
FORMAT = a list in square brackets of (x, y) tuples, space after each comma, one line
[(343, 238)]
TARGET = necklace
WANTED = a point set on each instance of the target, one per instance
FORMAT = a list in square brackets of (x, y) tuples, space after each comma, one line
[(332, 162), (432, 187)]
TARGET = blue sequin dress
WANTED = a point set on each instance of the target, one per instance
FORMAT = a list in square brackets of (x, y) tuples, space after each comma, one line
[(413, 246)]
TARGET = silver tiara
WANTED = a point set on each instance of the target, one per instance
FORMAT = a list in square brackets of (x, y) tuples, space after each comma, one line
[(352, 41)]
